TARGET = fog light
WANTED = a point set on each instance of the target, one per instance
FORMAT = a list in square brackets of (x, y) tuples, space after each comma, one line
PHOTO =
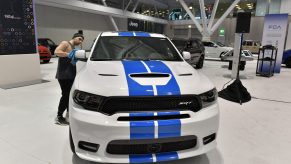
[(208, 139), (88, 146)]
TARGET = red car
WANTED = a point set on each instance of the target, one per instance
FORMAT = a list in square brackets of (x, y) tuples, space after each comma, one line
[(44, 54)]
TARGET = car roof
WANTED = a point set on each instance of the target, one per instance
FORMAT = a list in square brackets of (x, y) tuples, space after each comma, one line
[(133, 34)]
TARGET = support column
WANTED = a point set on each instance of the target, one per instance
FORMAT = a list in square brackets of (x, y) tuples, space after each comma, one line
[(236, 54), (111, 18)]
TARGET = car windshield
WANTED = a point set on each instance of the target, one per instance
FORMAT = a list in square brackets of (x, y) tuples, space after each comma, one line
[(220, 44), (134, 48)]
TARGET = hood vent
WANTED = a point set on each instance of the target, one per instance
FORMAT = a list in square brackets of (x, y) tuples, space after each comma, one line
[(149, 75), (107, 75), (186, 74)]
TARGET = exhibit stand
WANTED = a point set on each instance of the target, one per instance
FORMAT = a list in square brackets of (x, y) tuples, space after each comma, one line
[(19, 60)]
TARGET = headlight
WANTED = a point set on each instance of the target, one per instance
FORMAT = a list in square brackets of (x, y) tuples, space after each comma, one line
[(208, 98), (87, 100)]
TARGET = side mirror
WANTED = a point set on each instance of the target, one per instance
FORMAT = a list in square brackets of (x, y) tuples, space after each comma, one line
[(186, 55), (81, 55)]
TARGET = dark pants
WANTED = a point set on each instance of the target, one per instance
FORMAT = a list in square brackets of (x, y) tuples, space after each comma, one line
[(66, 86)]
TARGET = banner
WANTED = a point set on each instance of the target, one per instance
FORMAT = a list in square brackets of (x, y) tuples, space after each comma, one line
[(275, 29), (17, 34)]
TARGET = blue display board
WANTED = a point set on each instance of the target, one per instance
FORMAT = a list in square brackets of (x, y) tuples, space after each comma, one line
[(275, 30)]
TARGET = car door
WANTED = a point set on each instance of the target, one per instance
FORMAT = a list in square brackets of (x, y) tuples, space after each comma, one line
[(210, 50)]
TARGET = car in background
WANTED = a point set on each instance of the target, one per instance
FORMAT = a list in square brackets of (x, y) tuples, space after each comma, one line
[(44, 54), (216, 49), (287, 58), (252, 46), (246, 55), (136, 100), (196, 49), (48, 43)]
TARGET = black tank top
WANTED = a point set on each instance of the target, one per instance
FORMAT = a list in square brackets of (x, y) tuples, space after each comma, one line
[(66, 70)]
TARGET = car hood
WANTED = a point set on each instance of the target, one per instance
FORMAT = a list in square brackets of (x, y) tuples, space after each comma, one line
[(141, 78)]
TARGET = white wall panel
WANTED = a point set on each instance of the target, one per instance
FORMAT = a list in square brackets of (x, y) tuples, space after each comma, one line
[(60, 24)]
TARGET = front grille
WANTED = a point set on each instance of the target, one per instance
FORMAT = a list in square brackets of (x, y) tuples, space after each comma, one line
[(151, 146), (112, 105)]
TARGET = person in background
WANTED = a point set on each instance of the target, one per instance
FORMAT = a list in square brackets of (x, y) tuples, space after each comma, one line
[(66, 73)]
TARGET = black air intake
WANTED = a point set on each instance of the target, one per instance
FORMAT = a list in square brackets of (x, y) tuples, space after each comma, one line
[(151, 146), (149, 75)]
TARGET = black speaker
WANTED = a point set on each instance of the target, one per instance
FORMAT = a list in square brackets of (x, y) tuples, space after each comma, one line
[(243, 22)]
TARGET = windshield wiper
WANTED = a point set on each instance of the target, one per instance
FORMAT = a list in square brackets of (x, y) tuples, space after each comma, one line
[(96, 59)]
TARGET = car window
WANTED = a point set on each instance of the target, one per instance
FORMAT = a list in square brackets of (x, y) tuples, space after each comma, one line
[(220, 44), (134, 48), (50, 42), (180, 43), (257, 44), (189, 45), (195, 45), (208, 44), (42, 42)]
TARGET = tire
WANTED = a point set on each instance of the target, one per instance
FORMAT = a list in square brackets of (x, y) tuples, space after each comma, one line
[(72, 143), (46, 61), (288, 63), (200, 63)]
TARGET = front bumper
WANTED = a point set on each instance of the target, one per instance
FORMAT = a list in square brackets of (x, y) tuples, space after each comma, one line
[(94, 127)]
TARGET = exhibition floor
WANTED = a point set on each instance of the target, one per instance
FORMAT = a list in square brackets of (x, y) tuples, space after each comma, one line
[(257, 132)]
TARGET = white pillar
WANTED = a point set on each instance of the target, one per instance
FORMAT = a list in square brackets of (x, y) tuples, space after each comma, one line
[(236, 54), (213, 14), (186, 8), (111, 18), (222, 18)]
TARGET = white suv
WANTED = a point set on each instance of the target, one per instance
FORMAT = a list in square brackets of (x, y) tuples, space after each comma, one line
[(136, 100), (216, 49)]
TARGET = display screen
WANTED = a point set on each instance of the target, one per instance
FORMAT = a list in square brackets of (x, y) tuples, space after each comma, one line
[(17, 33)]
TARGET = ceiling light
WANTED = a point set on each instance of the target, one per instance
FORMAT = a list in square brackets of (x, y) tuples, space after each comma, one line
[(189, 26), (190, 7)]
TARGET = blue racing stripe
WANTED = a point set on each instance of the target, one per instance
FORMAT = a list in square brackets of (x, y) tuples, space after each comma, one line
[(169, 113), (169, 128), (134, 88), (142, 129), (172, 87), (146, 158), (167, 156), (125, 33), (144, 34)]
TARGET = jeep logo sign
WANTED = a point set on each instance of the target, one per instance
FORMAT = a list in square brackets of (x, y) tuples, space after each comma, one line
[(135, 25)]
